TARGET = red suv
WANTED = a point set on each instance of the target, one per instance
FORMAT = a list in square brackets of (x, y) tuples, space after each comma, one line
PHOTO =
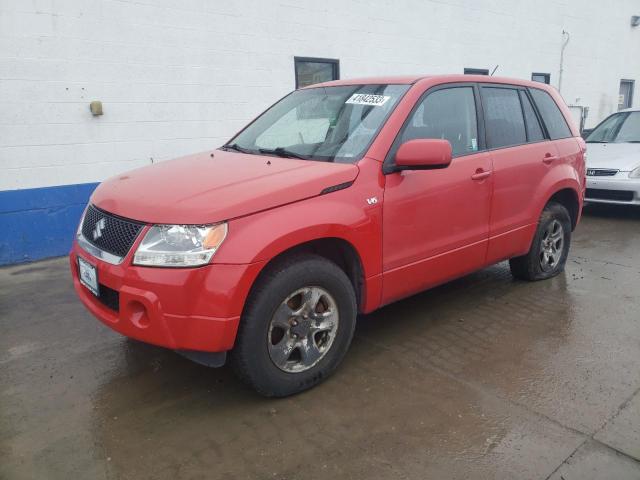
[(340, 198)]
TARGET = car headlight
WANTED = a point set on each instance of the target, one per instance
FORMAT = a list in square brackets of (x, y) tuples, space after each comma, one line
[(179, 245), (635, 173), (79, 230)]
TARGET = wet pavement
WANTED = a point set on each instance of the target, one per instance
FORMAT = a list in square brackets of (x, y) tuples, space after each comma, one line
[(484, 377)]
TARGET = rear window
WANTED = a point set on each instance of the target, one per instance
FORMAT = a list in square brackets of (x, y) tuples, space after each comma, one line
[(503, 117), (551, 115)]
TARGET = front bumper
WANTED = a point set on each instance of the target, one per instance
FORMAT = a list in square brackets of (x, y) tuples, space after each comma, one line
[(178, 308), (618, 189)]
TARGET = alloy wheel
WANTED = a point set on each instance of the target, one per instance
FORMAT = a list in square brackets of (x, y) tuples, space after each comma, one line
[(551, 246), (302, 329)]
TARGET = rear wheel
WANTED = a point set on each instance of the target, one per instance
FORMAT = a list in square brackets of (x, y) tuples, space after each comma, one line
[(297, 326), (550, 246)]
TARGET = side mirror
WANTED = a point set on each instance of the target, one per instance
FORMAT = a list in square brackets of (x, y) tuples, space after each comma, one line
[(423, 154)]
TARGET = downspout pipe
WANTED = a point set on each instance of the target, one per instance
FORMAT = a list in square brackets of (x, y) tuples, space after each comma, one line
[(565, 42)]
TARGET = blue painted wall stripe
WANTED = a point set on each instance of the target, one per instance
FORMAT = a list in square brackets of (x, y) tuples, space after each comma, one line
[(37, 223)]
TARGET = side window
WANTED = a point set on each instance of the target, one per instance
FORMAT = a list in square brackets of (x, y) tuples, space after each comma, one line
[(503, 117), (534, 131), (449, 114), (551, 115)]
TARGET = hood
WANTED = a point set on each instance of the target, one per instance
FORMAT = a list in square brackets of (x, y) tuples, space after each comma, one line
[(621, 156), (199, 189)]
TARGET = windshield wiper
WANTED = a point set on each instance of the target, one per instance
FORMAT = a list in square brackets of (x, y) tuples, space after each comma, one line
[(596, 141), (237, 148), (282, 152)]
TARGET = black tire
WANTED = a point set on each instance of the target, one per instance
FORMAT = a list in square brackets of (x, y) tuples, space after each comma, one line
[(532, 266), (251, 357)]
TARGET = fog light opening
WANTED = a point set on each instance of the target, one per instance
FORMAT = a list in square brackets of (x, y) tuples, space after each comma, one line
[(138, 314)]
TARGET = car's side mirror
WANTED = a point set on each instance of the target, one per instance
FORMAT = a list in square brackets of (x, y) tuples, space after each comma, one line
[(423, 154)]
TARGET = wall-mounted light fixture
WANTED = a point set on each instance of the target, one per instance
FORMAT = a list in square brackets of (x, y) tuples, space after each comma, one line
[(635, 20), (96, 108)]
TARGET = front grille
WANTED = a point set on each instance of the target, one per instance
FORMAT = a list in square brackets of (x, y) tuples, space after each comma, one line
[(616, 195), (601, 172), (108, 232), (109, 297)]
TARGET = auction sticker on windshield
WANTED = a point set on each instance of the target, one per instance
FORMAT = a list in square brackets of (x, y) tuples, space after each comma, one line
[(368, 99)]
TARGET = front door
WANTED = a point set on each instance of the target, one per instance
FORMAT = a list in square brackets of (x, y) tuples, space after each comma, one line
[(436, 222)]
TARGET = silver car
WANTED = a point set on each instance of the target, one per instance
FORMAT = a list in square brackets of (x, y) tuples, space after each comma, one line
[(613, 159)]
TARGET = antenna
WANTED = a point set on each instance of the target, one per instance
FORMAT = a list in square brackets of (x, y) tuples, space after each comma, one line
[(494, 70)]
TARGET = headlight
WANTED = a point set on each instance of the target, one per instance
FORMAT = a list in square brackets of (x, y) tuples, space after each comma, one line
[(79, 230), (180, 245), (635, 173)]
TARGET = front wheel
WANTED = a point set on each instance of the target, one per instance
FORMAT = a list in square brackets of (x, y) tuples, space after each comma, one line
[(296, 327), (550, 246)]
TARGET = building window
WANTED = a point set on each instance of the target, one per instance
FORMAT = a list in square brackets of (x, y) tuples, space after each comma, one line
[(476, 71), (625, 97), (541, 77), (315, 70)]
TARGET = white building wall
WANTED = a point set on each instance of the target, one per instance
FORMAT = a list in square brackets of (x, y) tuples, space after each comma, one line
[(177, 77)]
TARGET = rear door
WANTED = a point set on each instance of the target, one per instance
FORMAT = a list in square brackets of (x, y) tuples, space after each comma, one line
[(522, 154)]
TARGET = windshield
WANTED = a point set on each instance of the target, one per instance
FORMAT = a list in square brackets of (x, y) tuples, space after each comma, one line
[(618, 128), (325, 123)]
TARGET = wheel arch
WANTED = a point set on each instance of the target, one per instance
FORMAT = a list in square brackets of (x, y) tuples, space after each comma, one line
[(568, 198), (335, 249)]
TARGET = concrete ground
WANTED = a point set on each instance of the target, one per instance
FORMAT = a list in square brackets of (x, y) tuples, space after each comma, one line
[(485, 377)]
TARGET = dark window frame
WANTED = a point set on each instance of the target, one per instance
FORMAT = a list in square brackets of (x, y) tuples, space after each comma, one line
[(547, 77), (388, 166), (334, 62), (633, 87), (476, 71)]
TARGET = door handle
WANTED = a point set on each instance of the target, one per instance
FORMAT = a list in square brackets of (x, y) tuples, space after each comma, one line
[(481, 174), (548, 158)]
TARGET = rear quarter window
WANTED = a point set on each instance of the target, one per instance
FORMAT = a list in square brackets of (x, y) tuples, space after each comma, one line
[(551, 114)]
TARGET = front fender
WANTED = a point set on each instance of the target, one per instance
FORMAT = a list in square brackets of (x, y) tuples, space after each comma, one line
[(344, 215), (262, 236), (352, 214)]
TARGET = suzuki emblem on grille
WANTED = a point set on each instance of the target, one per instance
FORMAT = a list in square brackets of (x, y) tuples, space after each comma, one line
[(97, 231)]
